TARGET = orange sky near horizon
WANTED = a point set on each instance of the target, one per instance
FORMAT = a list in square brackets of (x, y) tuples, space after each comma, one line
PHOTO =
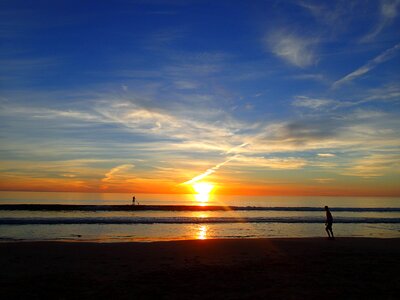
[(71, 185)]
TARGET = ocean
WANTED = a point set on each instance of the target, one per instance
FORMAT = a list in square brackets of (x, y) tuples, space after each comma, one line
[(108, 217)]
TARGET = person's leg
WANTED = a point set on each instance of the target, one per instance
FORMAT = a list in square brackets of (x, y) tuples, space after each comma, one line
[(333, 237), (327, 231)]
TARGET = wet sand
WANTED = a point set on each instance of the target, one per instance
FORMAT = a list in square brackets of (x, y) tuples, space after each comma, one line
[(298, 268)]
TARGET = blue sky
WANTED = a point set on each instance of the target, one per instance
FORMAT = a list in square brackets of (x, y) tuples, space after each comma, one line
[(268, 97)]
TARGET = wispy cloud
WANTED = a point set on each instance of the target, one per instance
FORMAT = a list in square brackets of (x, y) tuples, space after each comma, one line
[(277, 163), (186, 85), (329, 12), (181, 124), (381, 58), (324, 180), (294, 49), (374, 165), (312, 103), (315, 77), (116, 172), (388, 12), (180, 127), (326, 155), (356, 130), (76, 169), (389, 91), (8, 109)]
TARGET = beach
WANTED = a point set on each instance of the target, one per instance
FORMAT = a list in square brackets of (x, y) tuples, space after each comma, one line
[(285, 268)]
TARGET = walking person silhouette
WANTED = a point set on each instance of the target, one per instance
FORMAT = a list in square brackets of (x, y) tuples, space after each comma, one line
[(328, 223)]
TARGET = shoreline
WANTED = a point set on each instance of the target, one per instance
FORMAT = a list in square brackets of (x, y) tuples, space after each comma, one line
[(166, 240), (274, 268), (194, 207)]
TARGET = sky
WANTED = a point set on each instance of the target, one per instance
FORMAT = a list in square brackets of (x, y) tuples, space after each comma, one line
[(256, 97)]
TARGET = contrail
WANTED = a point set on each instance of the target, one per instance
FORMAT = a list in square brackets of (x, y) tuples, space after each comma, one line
[(237, 147), (215, 168), (381, 58), (208, 172)]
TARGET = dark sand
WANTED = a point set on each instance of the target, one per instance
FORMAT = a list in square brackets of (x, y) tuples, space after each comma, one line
[(314, 268)]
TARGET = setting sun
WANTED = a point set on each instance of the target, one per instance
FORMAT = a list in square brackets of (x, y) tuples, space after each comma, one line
[(203, 190)]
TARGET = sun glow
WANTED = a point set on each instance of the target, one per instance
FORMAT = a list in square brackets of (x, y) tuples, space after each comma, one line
[(203, 190)]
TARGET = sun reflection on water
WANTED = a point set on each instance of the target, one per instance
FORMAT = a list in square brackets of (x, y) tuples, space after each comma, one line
[(202, 215), (202, 233)]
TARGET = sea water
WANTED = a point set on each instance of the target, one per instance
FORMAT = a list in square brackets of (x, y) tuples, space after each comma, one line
[(248, 217)]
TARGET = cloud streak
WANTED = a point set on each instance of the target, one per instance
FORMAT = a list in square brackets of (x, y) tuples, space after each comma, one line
[(381, 58), (388, 12), (208, 172), (312, 103), (114, 173), (326, 155), (374, 165), (276, 163)]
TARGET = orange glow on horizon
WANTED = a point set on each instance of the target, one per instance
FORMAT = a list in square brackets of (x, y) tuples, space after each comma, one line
[(22, 183)]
